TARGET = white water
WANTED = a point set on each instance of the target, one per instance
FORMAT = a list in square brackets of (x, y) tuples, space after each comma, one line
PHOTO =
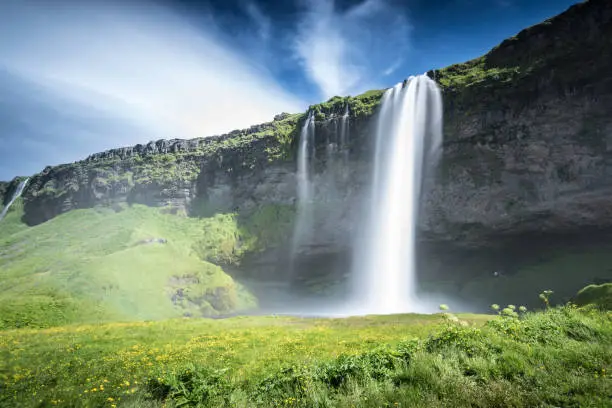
[(15, 196), (306, 154), (408, 143), (344, 128)]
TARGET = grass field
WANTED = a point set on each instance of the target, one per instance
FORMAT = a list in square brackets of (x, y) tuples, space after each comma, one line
[(560, 357)]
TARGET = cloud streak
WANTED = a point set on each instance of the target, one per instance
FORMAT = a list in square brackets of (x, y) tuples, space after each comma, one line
[(348, 51), (138, 65)]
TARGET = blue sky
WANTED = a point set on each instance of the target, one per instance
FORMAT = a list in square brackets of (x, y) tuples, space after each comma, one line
[(77, 77)]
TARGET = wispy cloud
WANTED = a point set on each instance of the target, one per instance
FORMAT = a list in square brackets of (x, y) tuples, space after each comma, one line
[(136, 64), (346, 51), (262, 22), (393, 67)]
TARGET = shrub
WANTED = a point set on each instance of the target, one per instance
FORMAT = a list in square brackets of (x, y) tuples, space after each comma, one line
[(192, 387)]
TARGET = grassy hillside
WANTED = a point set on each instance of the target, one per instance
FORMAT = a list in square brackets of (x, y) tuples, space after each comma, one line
[(95, 265)]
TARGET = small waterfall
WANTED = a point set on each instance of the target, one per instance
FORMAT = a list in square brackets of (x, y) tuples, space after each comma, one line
[(344, 128), (306, 154), (15, 196), (408, 143)]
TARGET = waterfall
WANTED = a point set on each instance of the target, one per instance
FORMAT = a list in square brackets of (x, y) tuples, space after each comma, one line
[(408, 143), (344, 128), (304, 216), (15, 196)]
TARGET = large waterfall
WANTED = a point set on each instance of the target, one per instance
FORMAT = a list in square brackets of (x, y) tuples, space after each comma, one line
[(408, 139), (15, 196)]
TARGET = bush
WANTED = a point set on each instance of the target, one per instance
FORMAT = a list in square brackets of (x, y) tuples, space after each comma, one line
[(192, 387)]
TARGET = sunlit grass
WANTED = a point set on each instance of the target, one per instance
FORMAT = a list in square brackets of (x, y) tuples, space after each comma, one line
[(70, 362), (89, 266)]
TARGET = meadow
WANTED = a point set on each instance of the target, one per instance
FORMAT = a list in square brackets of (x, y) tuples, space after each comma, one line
[(557, 357)]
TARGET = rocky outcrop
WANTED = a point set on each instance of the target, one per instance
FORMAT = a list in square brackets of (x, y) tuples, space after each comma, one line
[(162, 173), (4, 186), (528, 136)]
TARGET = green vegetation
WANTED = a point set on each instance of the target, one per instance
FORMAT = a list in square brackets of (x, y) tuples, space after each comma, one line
[(158, 168), (268, 225), (98, 265), (555, 358), (230, 236), (597, 295), (67, 363), (475, 72), (360, 106)]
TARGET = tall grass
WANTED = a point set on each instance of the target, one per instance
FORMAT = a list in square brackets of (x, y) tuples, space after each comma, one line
[(561, 357)]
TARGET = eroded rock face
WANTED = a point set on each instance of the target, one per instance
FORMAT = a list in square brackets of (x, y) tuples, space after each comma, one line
[(546, 167)]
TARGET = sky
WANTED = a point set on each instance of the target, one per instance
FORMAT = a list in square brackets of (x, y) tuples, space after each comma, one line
[(82, 76)]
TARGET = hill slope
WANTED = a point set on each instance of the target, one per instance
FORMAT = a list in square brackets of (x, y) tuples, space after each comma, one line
[(102, 264)]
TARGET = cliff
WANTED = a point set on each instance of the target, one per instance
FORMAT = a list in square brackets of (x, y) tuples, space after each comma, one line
[(528, 131), (528, 138)]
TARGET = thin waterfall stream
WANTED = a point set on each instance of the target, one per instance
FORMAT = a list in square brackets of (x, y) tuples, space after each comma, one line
[(15, 196)]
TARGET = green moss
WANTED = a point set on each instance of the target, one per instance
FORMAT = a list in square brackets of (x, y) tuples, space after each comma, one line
[(228, 237), (475, 72), (363, 105), (268, 225), (222, 240), (597, 295)]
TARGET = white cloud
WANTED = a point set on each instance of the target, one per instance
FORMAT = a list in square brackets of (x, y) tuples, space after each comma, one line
[(346, 51), (138, 63), (392, 68)]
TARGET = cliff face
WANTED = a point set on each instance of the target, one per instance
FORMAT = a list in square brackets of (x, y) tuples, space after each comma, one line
[(528, 142)]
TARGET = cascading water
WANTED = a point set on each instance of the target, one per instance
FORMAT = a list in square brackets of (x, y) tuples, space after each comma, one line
[(15, 196), (344, 128), (306, 153), (408, 138)]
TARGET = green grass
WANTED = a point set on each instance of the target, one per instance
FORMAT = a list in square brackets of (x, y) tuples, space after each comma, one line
[(88, 265), (61, 363), (556, 358)]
